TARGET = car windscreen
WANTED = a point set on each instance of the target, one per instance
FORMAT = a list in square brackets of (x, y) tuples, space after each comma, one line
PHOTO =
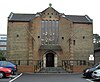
[(97, 65), (5, 63)]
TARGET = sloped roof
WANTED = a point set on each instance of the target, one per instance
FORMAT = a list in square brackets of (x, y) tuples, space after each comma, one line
[(20, 17), (28, 17), (79, 18), (50, 8)]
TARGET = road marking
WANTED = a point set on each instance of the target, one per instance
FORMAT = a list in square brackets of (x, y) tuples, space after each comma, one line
[(89, 80), (16, 77)]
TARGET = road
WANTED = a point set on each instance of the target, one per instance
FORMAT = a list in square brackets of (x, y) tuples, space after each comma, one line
[(50, 78)]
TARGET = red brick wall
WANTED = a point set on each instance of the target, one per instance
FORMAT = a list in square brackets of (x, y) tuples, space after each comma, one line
[(75, 69), (25, 68), (79, 69)]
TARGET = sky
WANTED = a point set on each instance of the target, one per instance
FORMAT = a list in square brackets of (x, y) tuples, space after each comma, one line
[(68, 7)]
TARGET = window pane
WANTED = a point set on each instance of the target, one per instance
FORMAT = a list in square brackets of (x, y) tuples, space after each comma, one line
[(53, 30), (42, 34), (46, 33), (50, 30), (2, 48), (3, 43), (57, 30)]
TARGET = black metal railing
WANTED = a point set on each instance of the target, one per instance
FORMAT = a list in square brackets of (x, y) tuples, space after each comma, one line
[(68, 64), (37, 64)]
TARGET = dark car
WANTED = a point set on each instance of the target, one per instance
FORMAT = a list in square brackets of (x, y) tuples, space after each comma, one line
[(8, 64), (88, 72)]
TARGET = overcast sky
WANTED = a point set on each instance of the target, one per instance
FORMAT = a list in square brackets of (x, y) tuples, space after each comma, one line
[(68, 7)]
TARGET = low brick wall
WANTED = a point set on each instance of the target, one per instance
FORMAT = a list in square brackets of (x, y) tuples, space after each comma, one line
[(79, 69), (25, 68), (30, 68)]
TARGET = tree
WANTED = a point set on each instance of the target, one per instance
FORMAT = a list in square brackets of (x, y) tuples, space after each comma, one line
[(96, 41), (96, 38), (1, 56)]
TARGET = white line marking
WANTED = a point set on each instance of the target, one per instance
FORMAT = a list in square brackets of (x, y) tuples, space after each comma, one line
[(15, 78), (89, 80)]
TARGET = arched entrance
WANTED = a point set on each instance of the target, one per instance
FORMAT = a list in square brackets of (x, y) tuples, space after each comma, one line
[(49, 60)]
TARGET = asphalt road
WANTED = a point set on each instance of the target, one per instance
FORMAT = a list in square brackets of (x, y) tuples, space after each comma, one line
[(49, 78), (5, 80), (52, 78)]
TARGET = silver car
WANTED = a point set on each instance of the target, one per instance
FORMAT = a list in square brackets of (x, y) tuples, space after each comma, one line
[(96, 74)]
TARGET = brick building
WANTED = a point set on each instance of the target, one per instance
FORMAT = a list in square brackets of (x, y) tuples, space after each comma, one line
[(3, 44), (49, 36)]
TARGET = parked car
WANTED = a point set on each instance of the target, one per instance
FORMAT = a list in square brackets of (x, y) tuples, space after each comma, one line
[(5, 72), (96, 74), (88, 72), (8, 64)]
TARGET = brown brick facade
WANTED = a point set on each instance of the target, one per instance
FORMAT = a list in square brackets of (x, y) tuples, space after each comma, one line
[(24, 38)]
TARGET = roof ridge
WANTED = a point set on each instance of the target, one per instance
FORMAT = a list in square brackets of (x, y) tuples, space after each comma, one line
[(88, 18), (74, 15), (23, 13), (48, 8)]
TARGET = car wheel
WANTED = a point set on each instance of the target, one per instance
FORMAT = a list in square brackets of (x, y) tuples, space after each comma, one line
[(2, 75)]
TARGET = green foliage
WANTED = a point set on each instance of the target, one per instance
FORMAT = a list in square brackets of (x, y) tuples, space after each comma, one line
[(2, 57), (97, 38), (96, 41)]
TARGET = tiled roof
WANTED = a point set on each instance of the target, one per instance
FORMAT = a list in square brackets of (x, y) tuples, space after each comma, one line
[(20, 17), (79, 19), (51, 8), (28, 17)]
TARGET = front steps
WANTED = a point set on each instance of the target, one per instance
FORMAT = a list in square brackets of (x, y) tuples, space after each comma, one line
[(52, 70)]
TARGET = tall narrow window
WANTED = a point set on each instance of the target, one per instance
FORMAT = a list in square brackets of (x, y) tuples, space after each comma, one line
[(42, 35), (50, 32), (73, 42), (83, 37), (57, 31)]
